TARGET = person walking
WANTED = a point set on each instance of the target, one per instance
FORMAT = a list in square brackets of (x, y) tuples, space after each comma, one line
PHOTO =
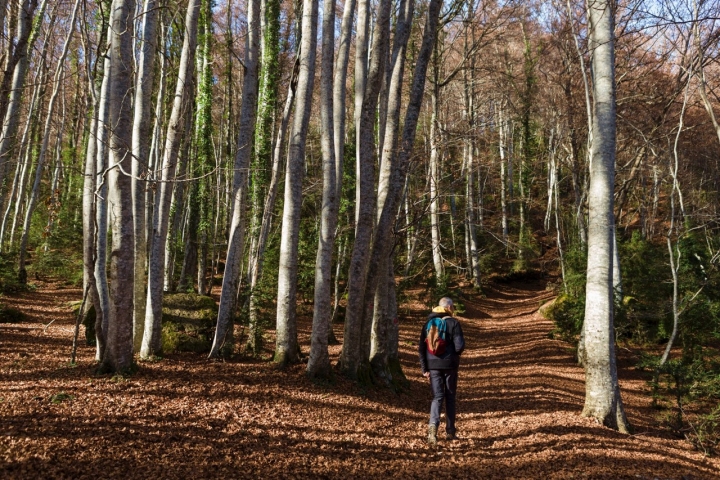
[(440, 347)]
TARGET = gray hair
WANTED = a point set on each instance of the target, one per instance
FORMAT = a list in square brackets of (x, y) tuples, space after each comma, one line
[(446, 302)]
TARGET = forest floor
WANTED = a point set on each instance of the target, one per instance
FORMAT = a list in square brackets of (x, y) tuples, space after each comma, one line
[(519, 403)]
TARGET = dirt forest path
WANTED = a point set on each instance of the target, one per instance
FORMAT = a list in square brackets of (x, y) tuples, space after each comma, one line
[(520, 395)]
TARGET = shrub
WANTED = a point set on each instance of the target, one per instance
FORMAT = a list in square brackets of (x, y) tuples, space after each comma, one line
[(62, 264), (11, 315)]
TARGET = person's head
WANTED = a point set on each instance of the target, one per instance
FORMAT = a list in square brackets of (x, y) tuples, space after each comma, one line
[(447, 304)]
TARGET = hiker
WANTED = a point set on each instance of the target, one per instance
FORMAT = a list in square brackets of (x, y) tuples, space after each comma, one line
[(441, 344)]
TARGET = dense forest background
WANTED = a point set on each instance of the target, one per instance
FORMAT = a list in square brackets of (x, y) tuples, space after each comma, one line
[(330, 160)]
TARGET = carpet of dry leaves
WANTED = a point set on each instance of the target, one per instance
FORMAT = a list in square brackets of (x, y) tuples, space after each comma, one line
[(520, 397)]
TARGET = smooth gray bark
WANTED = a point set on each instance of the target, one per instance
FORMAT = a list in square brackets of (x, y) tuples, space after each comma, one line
[(118, 356), (354, 359), (256, 267), (286, 346), (319, 361), (248, 117), (380, 275), (502, 135), (151, 343), (339, 87), (101, 210), (434, 191), (602, 397), (399, 159), (144, 78)]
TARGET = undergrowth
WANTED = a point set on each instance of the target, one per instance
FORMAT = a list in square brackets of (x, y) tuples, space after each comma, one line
[(686, 388)]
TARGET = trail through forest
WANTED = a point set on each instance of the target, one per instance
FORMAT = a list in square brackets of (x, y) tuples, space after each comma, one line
[(519, 403)]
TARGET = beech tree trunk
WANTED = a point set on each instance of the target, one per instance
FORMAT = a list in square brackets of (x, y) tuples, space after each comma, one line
[(151, 343), (354, 359), (381, 280), (434, 178), (101, 211), (233, 260), (118, 356), (319, 361), (286, 346), (602, 397), (144, 79)]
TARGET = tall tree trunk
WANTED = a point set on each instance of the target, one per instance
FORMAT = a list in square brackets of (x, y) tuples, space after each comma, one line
[(579, 216), (602, 398), (502, 136), (469, 151), (101, 210), (144, 80), (151, 343), (269, 206), (233, 260), (381, 280), (118, 355), (434, 180), (286, 346), (88, 202), (319, 361), (354, 359)]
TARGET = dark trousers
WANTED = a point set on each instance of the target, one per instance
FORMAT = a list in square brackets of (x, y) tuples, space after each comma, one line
[(444, 387)]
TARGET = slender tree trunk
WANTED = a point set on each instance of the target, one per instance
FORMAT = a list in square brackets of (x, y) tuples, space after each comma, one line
[(434, 190), (580, 218), (88, 204), (339, 88), (354, 359), (118, 355), (502, 135), (319, 361), (228, 296), (675, 254), (144, 80), (286, 346), (602, 399), (380, 274), (197, 198), (151, 343), (472, 246), (101, 211)]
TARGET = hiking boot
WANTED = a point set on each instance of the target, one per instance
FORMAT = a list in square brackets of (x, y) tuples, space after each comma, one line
[(432, 435), (450, 436)]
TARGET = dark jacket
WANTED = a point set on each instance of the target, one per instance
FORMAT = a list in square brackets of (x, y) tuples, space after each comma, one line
[(450, 360)]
